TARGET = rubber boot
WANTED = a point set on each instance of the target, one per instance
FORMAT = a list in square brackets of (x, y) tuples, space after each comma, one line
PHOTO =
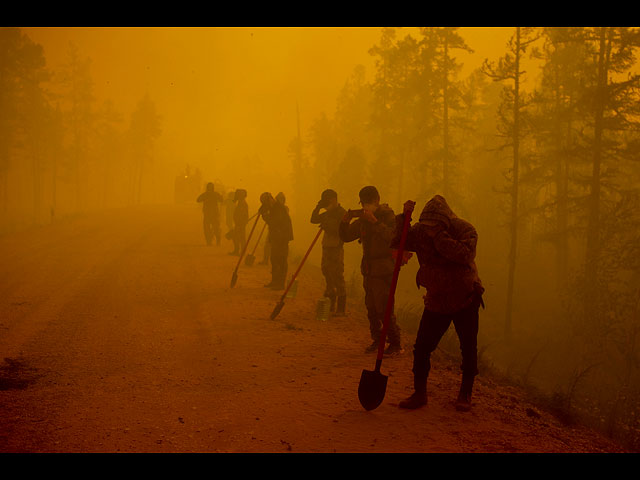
[(373, 347), (463, 403), (341, 305), (394, 349), (418, 398), (332, 307)]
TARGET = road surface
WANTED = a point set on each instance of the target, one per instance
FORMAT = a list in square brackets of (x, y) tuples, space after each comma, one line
[(119, 333)]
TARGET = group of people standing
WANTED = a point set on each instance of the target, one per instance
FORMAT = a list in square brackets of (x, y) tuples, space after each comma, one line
[(273, 211), (445, 246)]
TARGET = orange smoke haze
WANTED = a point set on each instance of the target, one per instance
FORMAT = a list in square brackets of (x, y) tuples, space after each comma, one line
[(229, 93)]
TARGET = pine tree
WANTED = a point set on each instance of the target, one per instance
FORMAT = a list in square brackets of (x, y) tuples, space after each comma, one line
[(441, 42), (511, 127)]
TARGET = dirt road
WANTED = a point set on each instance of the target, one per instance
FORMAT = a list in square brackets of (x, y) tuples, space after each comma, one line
[(119, 333)]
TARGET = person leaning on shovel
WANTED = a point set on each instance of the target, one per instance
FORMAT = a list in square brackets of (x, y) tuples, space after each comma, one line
[(446, 250), (276, 214), (374, 229)]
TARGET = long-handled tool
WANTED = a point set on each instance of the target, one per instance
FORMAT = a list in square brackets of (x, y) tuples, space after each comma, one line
[(373, 384), (280, 304), (234, 277), (251, 258)]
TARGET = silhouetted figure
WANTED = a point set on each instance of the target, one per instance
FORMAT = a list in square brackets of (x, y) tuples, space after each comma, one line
[(267, 251), (446, 250), (240, 219), (267, 243), (332, 249), (282, 199), (211, 213), (229, 208), (276, 215), (374, 229)]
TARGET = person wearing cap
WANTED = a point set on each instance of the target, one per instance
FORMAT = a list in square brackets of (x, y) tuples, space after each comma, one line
[(240, 220), (374, 229), (276, 215), (446, 248), (332, 249), (210, 213)]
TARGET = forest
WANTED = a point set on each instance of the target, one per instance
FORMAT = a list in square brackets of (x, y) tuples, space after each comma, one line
[(539, 148)]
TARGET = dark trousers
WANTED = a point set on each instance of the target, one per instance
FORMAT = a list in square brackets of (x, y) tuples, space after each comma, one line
[(211, 227), (239, 238), (279, 265), (376, 294), (333, 271), (432, 327)]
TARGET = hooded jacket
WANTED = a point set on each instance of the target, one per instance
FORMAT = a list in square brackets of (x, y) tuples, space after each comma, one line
[(377, 259), (447, 261), (279, 221)]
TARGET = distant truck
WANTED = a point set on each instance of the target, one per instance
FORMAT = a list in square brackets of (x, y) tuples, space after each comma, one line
[(187, 186)]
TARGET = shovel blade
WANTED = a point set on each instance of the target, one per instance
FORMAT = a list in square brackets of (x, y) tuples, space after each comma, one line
[(277, 309), (372, 388), (249, 259), (234, 279)]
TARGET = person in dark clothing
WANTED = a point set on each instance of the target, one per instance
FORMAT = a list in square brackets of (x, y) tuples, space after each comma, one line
[(332, 249), (229, 208), (374, 229), (282, 199), (276, 215), (446, 250), (240, 220), (266, 252), (211, 213)]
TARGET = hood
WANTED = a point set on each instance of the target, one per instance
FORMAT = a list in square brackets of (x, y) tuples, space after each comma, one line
[(438, 209)]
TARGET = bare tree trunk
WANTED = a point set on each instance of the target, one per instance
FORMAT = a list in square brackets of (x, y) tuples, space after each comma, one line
[(445, 124), (513, 225), (561, 179), (593, 225)]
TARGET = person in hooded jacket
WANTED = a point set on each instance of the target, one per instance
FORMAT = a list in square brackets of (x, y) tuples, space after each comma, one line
[(276, 214), (446, 248), (374, 229), (210, 213)]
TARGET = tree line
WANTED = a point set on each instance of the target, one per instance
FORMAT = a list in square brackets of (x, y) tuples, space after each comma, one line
[(60, 151)]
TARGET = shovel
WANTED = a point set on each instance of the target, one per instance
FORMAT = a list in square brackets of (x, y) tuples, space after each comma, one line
[(251, 257), (373, 384), (280, 304), (234, 277)]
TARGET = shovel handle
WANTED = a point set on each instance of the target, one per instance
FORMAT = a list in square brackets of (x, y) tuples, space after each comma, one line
[(259, 237), (394, 281), (301, 263), (246, 244)]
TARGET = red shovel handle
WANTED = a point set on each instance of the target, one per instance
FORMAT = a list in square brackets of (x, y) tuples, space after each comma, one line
[(246, 244), (259, 237), (408, 208), (302, 263)]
